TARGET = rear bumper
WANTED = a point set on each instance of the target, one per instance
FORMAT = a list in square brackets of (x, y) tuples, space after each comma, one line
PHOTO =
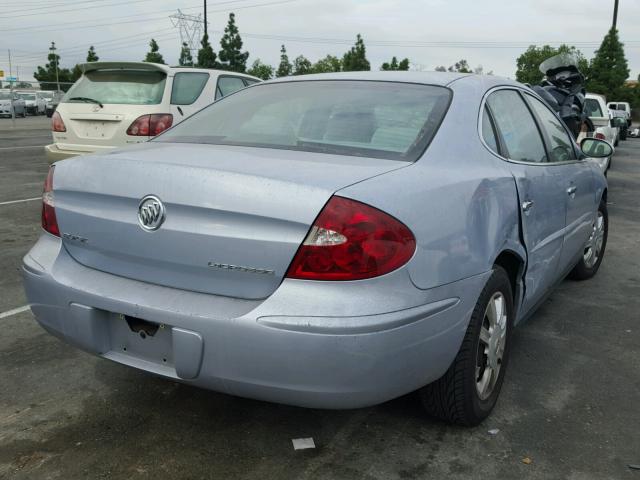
[(55, 152), (284, 349)]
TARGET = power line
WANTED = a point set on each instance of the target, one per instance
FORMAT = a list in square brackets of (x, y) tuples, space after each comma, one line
[(80, 52), (78, 49), (27, 30), (47, 7)]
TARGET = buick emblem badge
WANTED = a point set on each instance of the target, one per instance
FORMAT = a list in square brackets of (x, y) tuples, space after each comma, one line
[(151, 213)]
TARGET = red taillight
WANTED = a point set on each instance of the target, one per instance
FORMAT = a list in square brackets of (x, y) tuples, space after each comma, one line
[(351, 241), (57, 125), (49, 221), (150, 125), (599, 136)]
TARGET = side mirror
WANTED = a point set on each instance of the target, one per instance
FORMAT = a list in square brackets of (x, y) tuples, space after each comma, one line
[(595, 148)]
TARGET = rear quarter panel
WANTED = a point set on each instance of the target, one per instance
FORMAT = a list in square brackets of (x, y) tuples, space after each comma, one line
[(459, 199)]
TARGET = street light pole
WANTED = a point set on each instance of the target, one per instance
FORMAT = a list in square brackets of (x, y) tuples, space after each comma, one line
[(615, 14), (205, 17), (13, 107), (52, 49)]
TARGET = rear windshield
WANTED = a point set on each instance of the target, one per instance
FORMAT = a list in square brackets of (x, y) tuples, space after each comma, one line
[(124, 87), (27, 96), (362, 118)]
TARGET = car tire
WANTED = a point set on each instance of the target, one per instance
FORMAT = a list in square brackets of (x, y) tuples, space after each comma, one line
[(465, 395), (588, 265)]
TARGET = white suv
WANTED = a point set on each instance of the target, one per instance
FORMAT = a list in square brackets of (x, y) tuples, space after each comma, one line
[(114, 104)]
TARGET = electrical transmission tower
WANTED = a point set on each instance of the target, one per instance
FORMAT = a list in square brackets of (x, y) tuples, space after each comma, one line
[(190, 27)]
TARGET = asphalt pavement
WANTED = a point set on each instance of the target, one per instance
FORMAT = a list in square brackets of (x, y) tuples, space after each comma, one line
[(569, 407)]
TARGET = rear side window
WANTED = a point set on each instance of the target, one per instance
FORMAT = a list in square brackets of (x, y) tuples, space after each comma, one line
[(362, 118), (519, 131), (124, 87), (227, 85), (187, 87), (488, 133), (561, 145), (592, 108)]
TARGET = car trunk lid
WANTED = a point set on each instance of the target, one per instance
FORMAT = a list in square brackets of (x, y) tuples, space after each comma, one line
[(235, 216)]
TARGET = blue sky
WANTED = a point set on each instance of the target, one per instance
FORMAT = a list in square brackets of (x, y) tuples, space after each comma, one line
[(429, 32)]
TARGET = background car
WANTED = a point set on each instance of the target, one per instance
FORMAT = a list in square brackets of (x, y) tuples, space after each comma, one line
[(596, 108), (328, 241), (9, 101), (34, 102), (624, 107), (619, 119), (115, 104), (52, 98)]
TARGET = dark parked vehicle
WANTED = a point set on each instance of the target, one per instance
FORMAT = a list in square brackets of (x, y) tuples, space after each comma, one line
[(52, 102)]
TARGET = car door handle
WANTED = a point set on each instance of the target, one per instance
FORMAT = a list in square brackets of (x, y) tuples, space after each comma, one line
[(572, 190), (526, 206)]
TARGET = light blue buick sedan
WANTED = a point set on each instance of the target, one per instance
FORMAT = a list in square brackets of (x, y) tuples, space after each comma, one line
[(329, 241)]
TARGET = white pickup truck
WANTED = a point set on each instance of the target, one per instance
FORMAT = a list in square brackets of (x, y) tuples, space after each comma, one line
[(623, 107), (596, 109)]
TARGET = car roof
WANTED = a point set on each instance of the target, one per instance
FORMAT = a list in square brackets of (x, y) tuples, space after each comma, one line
[(595, 95), (427, 78), (92, 66), (430, 78)]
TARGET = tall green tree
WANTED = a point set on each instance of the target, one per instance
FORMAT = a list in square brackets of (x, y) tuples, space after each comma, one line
[(153, 55), (47, 75), (206, 56), (528, 63), (261, 70), (355, 60), (395, 65), (185, 60), (302, 66), (91, 55), (231, 55), (609, 67), (284, 68), (327, 64), (76, 73)]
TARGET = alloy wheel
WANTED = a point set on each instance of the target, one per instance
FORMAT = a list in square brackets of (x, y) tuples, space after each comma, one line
[(593, 248), (493, 336)]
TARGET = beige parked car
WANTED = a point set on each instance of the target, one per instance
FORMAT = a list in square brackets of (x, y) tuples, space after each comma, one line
[(114, 104)]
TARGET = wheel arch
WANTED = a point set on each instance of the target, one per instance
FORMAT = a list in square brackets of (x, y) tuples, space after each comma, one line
[(514, 264)]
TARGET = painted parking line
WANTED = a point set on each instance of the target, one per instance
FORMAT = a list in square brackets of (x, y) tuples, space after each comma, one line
[(20, 201), (16, 148), (15, 311)]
